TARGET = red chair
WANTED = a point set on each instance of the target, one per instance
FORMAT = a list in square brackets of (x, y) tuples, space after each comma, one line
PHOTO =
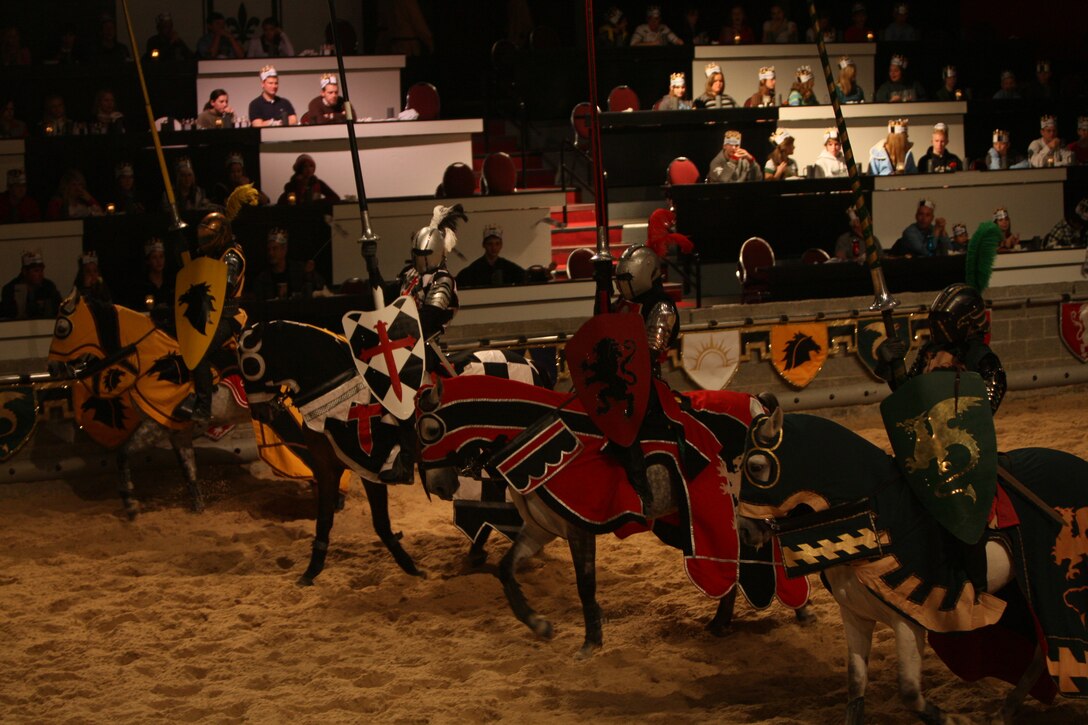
[(458, 180), (622, 98), (500, 174), (580, 122), (580, 264), (423, 98), (755, 256), (682, 170), (815, 255)]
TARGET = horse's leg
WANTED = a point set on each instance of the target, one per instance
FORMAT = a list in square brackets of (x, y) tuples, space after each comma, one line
[(182, 443), (723, 618), (859, 641), (529, 541), (1016, 698), (583, 551), (127, 491), (910, 642), (804, 615), (326, 469), (378, 496), (477, 554)]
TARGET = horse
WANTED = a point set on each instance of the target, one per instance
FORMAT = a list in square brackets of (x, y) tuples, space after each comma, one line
[(886, 559), (343, 426), (464, 422), (129, 387)]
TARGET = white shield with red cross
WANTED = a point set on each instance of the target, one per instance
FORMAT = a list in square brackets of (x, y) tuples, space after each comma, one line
[(388, 348)]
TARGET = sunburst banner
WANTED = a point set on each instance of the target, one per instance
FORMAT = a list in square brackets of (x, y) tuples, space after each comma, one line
[(711, 358), (799, 351)]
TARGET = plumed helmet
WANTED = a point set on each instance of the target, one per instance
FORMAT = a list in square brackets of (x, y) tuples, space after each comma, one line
[(213, 235), (958, 314), (432, 243), (639, 267)]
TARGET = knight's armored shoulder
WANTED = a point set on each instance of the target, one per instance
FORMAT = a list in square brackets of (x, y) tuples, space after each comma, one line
[(921, 360), (236, 268), (441, 292), (992, 373), (662, 325)]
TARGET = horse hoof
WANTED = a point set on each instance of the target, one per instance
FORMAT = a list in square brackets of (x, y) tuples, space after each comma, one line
[(541, 627), (197, 507), (719, 629), (804, 615), (588, 650), (131, 510), (305, 581), (477, 558)]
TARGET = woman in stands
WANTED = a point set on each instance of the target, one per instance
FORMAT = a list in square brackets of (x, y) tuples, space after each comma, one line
[(1009, 242), (765, 95), (715, 95), (801, 93), (780, 164), (847, 89), (674, 100), (893, 155)]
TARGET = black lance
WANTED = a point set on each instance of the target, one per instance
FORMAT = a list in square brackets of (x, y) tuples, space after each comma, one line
[(602, 259), (882, 299), (368, 234)]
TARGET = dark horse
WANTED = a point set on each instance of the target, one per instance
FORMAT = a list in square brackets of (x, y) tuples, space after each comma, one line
[(1030, 616)]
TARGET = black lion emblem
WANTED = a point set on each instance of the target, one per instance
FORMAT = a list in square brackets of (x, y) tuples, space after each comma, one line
[(799, 350), (107, 411), (608, 365), (170, 368), (199, 306)]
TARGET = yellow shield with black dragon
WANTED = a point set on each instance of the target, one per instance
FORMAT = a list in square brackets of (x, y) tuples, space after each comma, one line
[(200, 295), (18, 416)]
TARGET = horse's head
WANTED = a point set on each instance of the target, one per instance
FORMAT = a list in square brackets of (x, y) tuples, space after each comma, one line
[(439, 464), (75, 338), (263, 389)]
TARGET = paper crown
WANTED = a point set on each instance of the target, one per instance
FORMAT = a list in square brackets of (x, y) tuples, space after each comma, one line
[(780, 135), (329, 80), (153, 245), (492, 230), (927, 203), (268, 71), (845, 61), (898, 125), (1082, 209), (899, 60), (766, 73), (653, 11), (949, 71), (277, 235), (163, 18), (830, 134), (711, 69), (1007, 74), (1001, 213), (732, 138), (88, 257), (1042, 66), (235, 157), (33, 258), (1048, 122), (183, 164), (1001, 135), (123, 169), (941, 128), (676, 80), (1082, 123), (16, 176), (901, 9), (804, 73), (614, 15), (959, 230)]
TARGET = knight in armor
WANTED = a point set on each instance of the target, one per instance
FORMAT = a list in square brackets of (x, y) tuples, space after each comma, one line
[(641, 288)]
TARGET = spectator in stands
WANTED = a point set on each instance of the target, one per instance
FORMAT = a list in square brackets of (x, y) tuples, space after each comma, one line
[(765, 96), (218, 41), (1078, 148), (304, 187), (89, 280), (692, 30), (779, 28), (269, 109), (653, 31), (715, 96), (900, 29), (847, 88), (1009, 242), (12, 51), (72, 201), (1042, 88), (938, 159), (106, 48), (926, 236), (155, 288), (896, 89), (55, 121), (491, 270), (830, 163), (850, 245), (284, 278), (999, 156), (674, 100), (1071, 231), (105, 118), (166, 44), (68, 51), (15, 206), (10, 126), (30, 295), (1048, 149), (328, 107), (780, 164), (827, 28), (187, 193), (271, 43), (613, 32), (217, 112), (738, 31), (1008, 90), (958, 243), (733, 163), (950, 88), (859, 30), (802, 93), (893, 155), (125, 199), (235, 168)]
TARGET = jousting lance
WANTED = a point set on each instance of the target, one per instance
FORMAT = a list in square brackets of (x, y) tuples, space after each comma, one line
[(602, 259)]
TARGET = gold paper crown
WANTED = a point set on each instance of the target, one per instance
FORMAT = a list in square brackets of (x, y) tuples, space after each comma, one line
[(268, 71), (277, 235), (88, 257), (899, 125), (712, 68), (928, 203), (780, 135), (949, 71), (830, 134), (732, 137), (1001, 135), (183, 163), (1001, 213), (123, 169), (899, 60), (804, 70), (845, 61), (153, 245), (677, 79), (328, 80), (235, 157), (766, 72), (1047, 121)]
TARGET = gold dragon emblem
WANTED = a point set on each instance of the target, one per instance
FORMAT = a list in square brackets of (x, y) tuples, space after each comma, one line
[(935, 432)]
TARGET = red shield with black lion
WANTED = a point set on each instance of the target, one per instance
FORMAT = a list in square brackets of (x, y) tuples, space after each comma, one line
[(609, 363)]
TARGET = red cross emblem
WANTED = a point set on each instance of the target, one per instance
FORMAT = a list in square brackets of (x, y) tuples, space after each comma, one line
[(385, 348)]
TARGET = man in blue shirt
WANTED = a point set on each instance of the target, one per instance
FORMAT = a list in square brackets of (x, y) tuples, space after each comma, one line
[(926, 236), (268, 109), (218, 41)]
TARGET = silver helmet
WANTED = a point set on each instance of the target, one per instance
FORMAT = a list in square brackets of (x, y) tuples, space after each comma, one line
[(639, 267), (432, 243)]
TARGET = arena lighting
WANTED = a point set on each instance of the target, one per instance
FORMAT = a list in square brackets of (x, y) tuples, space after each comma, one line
[(155, 53)]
